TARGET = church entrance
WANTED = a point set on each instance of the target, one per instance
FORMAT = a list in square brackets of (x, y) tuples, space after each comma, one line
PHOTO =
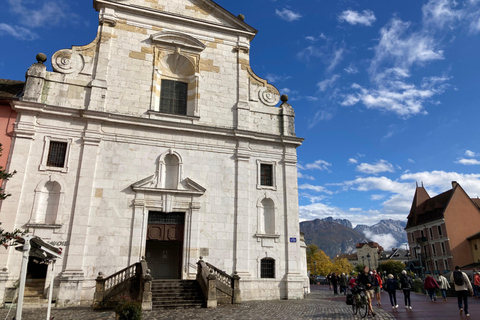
[(165, 244)]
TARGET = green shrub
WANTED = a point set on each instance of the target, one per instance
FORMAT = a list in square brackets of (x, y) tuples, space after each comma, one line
[(127, 309), (418, 286)]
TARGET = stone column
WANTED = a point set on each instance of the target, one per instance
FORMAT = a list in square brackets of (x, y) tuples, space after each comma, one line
[(293, 278), (243, 108), (71, 279), (212, 290), (35, 80), (242, 236)]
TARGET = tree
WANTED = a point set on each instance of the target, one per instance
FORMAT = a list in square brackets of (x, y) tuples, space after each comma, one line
[(7, 238), (324, 264), (341, 265), (391, 267), (359, 268)]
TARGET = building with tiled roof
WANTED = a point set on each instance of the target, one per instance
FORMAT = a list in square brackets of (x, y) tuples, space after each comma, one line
[(9, 90), (438, 229)]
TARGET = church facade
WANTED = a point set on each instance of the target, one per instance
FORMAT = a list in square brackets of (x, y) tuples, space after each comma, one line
[(158, 140)]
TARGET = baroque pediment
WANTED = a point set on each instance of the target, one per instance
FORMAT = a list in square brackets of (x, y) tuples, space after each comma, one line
[(150, 184), (177, 39)]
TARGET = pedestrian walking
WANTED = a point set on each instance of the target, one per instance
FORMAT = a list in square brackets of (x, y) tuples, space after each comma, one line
[(406, 283), (430, 285), (335, 283), (462, 287), (377, 286), (391, 287), (476, 284), (329, 280), (444, 286), (366, 279), (351, 282), (343, 283)]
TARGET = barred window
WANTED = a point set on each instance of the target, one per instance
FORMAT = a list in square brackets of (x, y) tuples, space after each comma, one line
[(173, 97), (266, 174), (56, 154), (267, 268)]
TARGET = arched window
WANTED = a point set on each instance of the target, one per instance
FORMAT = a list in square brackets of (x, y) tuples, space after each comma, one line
[(171, 171), (267, 268), (268, 216), (47, 200)]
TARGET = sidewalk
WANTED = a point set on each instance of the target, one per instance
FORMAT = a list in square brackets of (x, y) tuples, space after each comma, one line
[(320, 304)]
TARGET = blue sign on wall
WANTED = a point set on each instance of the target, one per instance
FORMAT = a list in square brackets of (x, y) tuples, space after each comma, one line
[(293, 239)]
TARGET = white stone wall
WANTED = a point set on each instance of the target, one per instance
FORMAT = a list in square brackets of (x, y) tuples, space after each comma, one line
[(116, 139)]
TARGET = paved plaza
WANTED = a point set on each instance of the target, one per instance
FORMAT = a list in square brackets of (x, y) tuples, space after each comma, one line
[(320, 304)]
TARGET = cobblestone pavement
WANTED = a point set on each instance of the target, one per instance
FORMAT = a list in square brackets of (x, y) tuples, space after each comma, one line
[(320, 304)]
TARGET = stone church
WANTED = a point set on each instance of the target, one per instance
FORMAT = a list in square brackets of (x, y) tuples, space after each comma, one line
[(157, 139)]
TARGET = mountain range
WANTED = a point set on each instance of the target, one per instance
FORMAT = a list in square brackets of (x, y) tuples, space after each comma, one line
[(337, 236)]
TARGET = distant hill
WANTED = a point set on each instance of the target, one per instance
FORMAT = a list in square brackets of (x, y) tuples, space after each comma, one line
[(336, 236), (331, 237)]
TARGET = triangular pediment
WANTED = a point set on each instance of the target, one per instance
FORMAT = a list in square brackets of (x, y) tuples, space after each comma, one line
[(196, 10), (150, 184)]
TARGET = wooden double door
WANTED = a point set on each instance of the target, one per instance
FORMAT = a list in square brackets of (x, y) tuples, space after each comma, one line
[(164, 248)]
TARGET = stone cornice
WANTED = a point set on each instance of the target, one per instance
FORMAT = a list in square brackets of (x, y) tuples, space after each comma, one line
[(246, 30)]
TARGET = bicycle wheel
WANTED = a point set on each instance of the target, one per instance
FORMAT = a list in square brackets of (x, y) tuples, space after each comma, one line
[(363, 309), (354, 306)]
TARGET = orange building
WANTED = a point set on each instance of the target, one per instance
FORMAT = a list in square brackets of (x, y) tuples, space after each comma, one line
[(438, 228), (9, 90)]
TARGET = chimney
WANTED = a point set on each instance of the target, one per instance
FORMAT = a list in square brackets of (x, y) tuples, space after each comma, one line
[(454, 184)]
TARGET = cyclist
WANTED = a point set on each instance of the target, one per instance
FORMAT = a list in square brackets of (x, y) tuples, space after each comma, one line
[(366, 279)]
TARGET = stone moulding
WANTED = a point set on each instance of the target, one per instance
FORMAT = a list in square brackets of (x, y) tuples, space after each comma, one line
[(78, 59), (177, 39), (261, 90)]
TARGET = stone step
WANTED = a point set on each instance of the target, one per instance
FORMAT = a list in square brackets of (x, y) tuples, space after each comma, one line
[(167, 294)]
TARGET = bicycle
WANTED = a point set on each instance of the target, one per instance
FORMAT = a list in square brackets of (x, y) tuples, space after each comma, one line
[(360, 301)]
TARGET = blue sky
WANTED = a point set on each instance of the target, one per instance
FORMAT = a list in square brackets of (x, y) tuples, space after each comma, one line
[(386, 93)]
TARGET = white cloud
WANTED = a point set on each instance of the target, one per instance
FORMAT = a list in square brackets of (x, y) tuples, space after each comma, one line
[(440, 13), (411, 160), (352, 160), (380, 166), (272, 78), (376, 197), (309, 52), (288, 15), (17, 32), (351, 69), (311, 98), (386, 240), (468, 162), (307, 186), (336, 57), (315, 39), (319, 165), (327, 83), (320, 115), (304, 176), (49, 13), (470, 154), (353, 17), (355, 209)]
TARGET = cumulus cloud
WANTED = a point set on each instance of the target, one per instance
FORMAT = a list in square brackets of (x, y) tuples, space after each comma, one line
[(441, 13), (352, 160), (386, 240), (304, 176), (468, 162), (288, 15), (366, 18), (319, 164), (470, 154), (49, 13), (375, 168)]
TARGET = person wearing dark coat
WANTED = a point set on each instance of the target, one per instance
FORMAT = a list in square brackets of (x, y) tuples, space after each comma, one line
[(334, 283), (406, 283), (430, 285), (366, 279), (391, 287)]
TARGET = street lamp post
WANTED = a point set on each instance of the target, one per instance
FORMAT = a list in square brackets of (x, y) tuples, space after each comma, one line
[(368, 258), (418, 250)]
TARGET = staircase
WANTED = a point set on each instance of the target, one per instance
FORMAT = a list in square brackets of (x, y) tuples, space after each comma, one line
[(33, 296), (169, 294)]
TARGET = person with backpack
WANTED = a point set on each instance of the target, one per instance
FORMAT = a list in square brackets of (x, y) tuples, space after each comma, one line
[(476, 284), (431, 285), (462, 287), (444, 285), (406, 284), (377, 287), (343, 283)]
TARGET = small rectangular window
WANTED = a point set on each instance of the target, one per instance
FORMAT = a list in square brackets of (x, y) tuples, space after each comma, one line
[(267, 268), (443, 248), (431, 233), (440, 231), (173, 97), (446, 264), (436, 265), (476, 247), (434, 250), (266, 174), (56, 154)]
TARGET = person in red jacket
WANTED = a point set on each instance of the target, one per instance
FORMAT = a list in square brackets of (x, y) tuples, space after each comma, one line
[(430, 285), (377, 286)]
